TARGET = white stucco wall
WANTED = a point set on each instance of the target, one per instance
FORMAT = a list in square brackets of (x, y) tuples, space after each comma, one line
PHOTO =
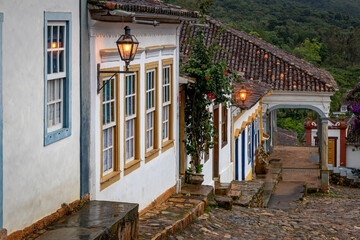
[(352, 157), (151, 179), (37, 178), (319, 100), (237, 125)]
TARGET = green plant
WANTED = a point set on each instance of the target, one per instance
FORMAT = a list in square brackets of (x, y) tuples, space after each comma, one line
[(199, 168), (212, 85)]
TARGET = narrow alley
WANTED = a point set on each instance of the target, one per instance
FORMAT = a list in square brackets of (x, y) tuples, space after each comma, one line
[(318, 216)]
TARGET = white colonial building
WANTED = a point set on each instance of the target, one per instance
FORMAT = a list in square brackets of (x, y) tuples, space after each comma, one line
[(134, 122), (41, 109)]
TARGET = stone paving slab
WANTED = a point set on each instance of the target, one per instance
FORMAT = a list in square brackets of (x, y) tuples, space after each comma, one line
[(97, 220), (286, 194), (319, 217), (175, 213)]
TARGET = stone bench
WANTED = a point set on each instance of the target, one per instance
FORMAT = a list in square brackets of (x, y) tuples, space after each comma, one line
[(97, 220)]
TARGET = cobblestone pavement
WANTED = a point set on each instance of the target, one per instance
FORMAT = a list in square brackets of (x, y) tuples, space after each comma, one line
[(333, 216)]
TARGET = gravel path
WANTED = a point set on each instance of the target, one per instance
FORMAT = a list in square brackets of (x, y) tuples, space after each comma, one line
[(333, 216)]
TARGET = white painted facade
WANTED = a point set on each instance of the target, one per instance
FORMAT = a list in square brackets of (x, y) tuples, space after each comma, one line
[(352, 156), (243, 134), (37, 178), (153, 178), (319, 100), (225, 157)]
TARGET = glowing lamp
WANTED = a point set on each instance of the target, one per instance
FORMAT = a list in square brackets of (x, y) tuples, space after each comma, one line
[(127, 45), (243, 94), (53, 45)]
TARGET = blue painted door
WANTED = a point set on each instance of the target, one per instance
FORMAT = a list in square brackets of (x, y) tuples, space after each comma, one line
[(237, 159), (243, 149)]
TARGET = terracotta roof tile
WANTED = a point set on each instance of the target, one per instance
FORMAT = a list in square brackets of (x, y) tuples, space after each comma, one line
[(260, 60)]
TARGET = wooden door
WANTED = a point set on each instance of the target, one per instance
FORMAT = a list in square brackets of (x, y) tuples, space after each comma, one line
[(332, 152), (216, 144)]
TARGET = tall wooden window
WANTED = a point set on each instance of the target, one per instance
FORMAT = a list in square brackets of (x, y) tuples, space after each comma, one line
[(109, 130), (167, 105), (130, 117), (57, 76), (132, 123), (151, 111), (224, 124), (166, 93), (150, 108)]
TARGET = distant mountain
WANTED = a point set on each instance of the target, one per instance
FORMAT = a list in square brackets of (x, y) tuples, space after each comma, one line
[(323, 32), (350, 7)]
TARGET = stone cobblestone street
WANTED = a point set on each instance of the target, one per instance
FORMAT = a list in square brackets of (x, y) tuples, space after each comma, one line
[(332, 216)]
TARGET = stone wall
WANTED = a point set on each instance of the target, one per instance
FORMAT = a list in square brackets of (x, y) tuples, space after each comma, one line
[(252, 193), (336, 179)]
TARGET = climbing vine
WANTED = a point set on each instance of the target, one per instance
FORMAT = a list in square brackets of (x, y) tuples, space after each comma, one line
[(212, 85), (354, 106)]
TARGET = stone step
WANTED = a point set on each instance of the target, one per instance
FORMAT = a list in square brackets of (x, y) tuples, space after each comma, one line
[(224, 202), (234, 194), (343, 172), (350, 176), (222, 188), (97, 220)]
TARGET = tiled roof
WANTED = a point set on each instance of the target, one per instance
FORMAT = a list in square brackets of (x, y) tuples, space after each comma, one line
[(286, 137), (259, 60), (255, 91), (143, 6)]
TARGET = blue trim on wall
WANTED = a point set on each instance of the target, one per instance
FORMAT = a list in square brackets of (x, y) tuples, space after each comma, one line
[(237, 159), (51, 137), (243, 150), (1, 127)]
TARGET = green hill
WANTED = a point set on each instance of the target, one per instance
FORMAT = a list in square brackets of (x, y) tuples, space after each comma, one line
[(323, 32)]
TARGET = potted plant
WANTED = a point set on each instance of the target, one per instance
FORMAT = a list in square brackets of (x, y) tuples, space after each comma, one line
[(212, 86)]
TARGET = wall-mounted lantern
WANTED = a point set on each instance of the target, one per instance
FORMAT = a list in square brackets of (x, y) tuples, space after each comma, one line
[(243, 94), (127, 46)]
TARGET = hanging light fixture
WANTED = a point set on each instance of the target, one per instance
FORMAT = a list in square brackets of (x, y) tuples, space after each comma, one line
[(243, 94), (127, 46)]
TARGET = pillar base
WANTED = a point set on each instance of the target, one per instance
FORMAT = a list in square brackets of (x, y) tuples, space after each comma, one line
[(325, 186)]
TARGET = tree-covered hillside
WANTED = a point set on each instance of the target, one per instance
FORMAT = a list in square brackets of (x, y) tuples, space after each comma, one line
[(323, 32)]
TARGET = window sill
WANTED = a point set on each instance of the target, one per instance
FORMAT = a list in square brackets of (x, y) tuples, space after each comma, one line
[(151, 155), (56, 135), (109, 179), (131, 166), (167, 145)]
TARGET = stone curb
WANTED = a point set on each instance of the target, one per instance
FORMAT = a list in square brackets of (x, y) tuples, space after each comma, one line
[(181, 224)]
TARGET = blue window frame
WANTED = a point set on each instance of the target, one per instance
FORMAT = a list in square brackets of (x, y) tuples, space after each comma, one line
[(57, 52), (1, 127)]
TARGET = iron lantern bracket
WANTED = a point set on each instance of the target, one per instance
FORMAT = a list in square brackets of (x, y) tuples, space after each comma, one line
[(99, 86)]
